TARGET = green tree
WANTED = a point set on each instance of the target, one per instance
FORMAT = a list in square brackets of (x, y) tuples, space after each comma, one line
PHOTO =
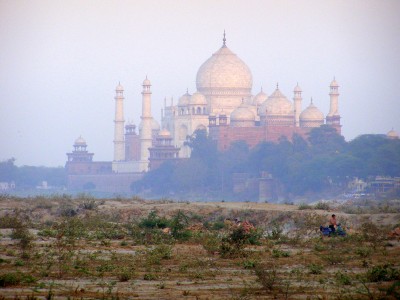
[(378, 155), (325, 139), (202, 147), (8, 171)]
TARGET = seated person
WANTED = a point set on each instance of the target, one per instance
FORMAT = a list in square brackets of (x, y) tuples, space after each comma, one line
[(332, 223)]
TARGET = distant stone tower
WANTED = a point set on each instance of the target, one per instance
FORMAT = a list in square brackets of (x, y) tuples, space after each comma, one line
[(132, 143), (146, 132), (333, 117), (119, 145), (297, 104)]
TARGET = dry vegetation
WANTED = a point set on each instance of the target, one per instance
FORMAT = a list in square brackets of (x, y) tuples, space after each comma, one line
[(83, 248)]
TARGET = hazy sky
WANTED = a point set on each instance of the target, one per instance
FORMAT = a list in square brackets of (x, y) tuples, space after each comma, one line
[(60, 62)]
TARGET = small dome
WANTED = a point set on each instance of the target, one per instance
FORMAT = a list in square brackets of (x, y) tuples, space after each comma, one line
[(119, 88), (164, 133), (198, 99), (242, 113), (80, 141), (260, 98), (184, 99), (297, 88), (312, 113), (277, 104), (334, 83), (146, 82), (392, 134)]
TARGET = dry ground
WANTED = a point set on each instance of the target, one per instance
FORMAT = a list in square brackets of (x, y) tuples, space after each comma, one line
[(81, 248)]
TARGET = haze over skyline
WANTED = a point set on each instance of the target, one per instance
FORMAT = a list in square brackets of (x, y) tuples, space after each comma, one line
[(60, 62)]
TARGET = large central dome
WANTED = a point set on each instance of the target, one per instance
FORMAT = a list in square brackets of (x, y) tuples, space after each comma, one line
[(224, 72)]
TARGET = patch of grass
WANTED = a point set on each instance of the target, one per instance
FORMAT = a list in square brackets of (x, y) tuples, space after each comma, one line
[(279, 253), (150, 276), (249, 264), (315, 269), (11, 279), (19, 263)]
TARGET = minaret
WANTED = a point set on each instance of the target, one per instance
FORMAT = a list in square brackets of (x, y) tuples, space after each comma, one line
[(146, 134), (297, 104), (334, 94), (119, 144), (333, 117)]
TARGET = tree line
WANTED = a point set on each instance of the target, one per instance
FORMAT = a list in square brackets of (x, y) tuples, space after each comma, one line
[(31, 176), (321, 162)]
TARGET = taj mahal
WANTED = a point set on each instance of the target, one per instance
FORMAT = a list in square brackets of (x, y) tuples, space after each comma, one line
[(223, 105)]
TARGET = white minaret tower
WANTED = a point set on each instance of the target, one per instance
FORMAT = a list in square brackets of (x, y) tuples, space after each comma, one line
[(146, 133), (333, 117), (334, 94), (297, 104), (119, 144)]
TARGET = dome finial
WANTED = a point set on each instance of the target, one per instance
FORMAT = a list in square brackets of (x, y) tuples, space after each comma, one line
[(224, 40), (277, 85), (311, 101)]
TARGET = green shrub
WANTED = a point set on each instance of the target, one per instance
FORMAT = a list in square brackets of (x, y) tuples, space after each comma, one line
[(363, 252), (148, 236), (47, 232), (89, 204), (178, 226), (276, 231), (218, 225), (319, 247), (279, 253), (10, 279), (322, 205), (254, 237), (266, 275), (2, 260), (342, 279), (249, 264), (383, 273), (150, 276), (19, 263), (315, 269), (303, 206), (153, 221), (211, 243), (124, 275), (21, 233), (67, 211), (162, 251)]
